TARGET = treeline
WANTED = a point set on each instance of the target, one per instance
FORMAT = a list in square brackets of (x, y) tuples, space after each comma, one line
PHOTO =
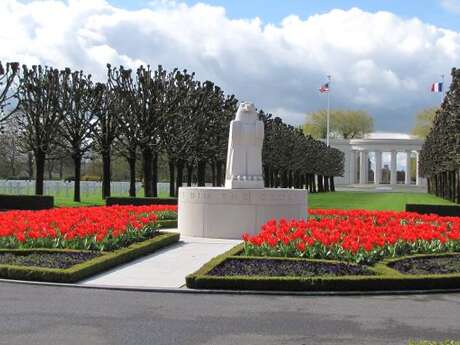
[(144, 115), (440, 155)]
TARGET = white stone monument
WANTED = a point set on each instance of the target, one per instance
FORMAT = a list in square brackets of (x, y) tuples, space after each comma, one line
[(244, 155), (244, 205)]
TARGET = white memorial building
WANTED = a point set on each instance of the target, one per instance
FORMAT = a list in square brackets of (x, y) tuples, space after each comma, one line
[(380, 158)]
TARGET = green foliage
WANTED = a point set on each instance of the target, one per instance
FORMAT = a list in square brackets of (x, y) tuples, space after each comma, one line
[(88, 268), (424, 122), (346, 124), (440, 155)]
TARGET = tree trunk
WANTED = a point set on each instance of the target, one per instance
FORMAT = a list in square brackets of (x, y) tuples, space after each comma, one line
[(201, 173), (40, 172), (132, 172), (61, 169), (320, 184), (172, 177), (266, 176), (332, 184), (50, 169), (213, 174), (147, 170), (220, 179), (180, 175), (106, 173), (155, 175), (77, 173), (189, 175), (30, 165)]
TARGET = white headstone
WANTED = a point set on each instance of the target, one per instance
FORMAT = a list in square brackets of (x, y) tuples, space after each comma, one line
[(244, 155)]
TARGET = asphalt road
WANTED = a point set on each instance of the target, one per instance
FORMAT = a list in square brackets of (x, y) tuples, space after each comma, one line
[(56, 315)]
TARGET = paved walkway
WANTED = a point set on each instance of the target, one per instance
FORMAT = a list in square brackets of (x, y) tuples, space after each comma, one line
[(167, 267)]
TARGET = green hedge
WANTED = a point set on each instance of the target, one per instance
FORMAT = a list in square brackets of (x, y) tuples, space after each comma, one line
[(139, 201), (26, 202), (386, 279), (167, 223), (87, 268), (440, 210)]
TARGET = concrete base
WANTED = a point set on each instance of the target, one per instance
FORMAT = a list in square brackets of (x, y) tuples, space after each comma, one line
[(227, 213)]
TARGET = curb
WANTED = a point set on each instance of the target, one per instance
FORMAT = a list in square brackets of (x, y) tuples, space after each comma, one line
[(232, 292)]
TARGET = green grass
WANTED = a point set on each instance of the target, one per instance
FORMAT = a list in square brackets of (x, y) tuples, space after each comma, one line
[(340, 200), (371, 200), (89, 200)]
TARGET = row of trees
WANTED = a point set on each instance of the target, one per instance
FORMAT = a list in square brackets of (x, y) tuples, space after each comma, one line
[(144, 115), (293, 159), (440, 155)]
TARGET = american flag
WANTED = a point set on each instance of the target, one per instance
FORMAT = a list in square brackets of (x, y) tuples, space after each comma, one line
[(324, 88)]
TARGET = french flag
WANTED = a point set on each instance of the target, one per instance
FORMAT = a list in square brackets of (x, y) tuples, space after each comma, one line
[(436, 87)]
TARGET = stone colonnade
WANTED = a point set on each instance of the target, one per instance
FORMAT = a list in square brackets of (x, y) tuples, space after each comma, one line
[(357, 163), (364, 167)]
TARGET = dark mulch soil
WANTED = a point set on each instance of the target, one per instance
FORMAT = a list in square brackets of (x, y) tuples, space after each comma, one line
[(47, 260), (272, 268), (428, 265)]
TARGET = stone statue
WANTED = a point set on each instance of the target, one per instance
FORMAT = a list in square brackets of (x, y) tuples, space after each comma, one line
[(244, 155)]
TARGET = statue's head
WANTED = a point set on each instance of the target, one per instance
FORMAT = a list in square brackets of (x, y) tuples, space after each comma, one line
[(247, 113)]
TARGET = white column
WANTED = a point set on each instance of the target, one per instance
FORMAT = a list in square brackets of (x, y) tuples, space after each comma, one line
[(417, 177), (362, 167), (393, 179), (378, 167), (352, 167), (407, 175)]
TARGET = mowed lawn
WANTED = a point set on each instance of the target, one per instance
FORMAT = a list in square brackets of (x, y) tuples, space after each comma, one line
[(371, 200), (90, 199), (340, 200)]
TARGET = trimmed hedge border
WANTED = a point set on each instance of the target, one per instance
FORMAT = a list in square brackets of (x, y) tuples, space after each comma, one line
[(139, 201), (26, 202), (386, 278), (88, 268), (167, 223), (440, 210)]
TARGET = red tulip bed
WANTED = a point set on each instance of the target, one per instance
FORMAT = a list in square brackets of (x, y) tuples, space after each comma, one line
[(89, 228), (357, 236), (68, 244), (344, 250)]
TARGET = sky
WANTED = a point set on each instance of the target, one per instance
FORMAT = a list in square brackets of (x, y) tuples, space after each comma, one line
[(382, 55)]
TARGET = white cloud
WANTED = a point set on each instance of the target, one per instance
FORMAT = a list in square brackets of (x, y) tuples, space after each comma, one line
[(451, 5), (379, 62)]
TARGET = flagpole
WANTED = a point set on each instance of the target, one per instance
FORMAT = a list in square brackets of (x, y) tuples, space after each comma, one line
[(328, 109)]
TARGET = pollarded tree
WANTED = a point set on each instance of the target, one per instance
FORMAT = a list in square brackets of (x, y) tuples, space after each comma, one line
[(8, 90), (175, 134), (108, 109), (79, 120), (204, 104), (39, 114)]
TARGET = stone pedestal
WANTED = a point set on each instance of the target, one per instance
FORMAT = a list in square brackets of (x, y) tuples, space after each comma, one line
[(227, 213)]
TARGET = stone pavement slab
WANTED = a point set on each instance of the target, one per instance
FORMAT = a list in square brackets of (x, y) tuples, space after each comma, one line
[(167, 267)]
